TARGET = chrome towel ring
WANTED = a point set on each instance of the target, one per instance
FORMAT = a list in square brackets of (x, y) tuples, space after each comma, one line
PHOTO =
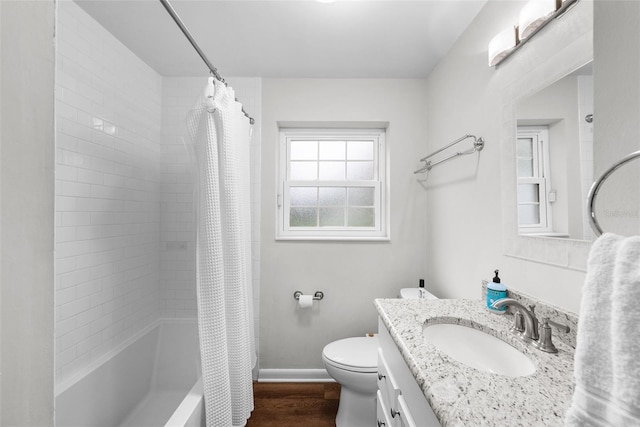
[(593, 192)]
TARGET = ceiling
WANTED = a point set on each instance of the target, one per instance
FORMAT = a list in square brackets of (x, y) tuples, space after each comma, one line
[(291, 38)]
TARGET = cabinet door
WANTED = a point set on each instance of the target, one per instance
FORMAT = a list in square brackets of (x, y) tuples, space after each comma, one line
[(382, 412), (387, 384), (404, 417)]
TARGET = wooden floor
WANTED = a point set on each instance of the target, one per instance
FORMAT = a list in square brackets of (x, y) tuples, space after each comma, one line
[(294, 404)]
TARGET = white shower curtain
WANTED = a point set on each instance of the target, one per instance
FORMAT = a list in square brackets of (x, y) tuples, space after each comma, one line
[(220, 134)]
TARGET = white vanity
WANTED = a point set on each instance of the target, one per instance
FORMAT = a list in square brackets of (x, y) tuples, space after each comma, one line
[(420, 385), (400, 400)]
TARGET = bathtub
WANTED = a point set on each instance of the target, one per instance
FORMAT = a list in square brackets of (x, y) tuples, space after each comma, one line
[(153, 381)]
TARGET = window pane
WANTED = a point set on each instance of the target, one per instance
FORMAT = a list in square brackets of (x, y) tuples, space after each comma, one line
[(303, 217), (303, 196), (332, 150), (303, 150), (360, 150), (332, 217), (361, 196), (525, 147), (528, 193), (525, 167), (359, 170), (528, 214), (304, 171), (361, 217), (332, 171), (332, 196)]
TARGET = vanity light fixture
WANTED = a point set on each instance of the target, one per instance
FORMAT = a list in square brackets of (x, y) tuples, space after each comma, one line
[(502, 45), (534, 14), (533, 17)]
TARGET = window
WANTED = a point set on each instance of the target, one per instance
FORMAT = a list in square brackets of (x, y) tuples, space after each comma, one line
[(332, 184), (532, 152)]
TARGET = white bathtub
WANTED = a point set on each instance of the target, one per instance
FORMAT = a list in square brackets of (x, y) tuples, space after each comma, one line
[(154, 381)]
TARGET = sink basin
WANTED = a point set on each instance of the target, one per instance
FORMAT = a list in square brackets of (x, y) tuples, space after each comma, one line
[(478, 349)]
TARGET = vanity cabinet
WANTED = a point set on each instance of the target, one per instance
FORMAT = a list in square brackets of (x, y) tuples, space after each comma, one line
[(401, 403)]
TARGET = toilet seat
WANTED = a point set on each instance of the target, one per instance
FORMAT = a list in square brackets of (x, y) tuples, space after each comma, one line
[(358, 354)]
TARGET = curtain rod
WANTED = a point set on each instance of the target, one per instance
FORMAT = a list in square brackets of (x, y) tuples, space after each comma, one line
[(187, 34)]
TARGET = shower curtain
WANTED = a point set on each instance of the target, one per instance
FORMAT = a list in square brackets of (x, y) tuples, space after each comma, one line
[(220, 134)]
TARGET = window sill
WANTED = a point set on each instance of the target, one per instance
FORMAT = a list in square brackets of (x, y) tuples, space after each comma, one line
[(546, 234), (333, 239)]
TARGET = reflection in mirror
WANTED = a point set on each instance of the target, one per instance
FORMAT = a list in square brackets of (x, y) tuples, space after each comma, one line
[(554, 158)]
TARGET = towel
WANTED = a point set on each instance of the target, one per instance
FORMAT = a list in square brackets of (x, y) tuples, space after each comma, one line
[(607, 368)]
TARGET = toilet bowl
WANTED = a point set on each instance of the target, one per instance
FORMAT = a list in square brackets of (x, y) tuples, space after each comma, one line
[(353, 362)]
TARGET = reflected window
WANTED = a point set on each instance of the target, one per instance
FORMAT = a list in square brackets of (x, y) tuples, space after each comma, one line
[(332, 184), (532, 159)]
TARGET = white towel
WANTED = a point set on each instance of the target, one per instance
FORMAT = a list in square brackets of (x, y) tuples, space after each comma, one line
[(607, 370)]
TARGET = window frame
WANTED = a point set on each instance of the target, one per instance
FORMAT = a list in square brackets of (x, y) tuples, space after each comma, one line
[(380, 232), (539, 136)]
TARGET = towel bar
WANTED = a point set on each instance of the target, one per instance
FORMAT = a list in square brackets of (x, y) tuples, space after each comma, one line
[(478, 145)]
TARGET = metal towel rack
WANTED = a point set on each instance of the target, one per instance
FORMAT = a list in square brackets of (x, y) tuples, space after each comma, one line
[(478, 145), (593, 192)]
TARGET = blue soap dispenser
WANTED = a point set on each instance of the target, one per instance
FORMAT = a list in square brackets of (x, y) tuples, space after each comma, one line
[(496, 291)]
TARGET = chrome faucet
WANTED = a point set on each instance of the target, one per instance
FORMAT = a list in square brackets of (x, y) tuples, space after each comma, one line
[(540, 338), (530, 332)]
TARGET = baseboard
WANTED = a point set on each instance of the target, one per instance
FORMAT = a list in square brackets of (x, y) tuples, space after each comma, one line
[(294, 376)]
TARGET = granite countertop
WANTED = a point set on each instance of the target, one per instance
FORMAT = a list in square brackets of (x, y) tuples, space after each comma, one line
[(463, 396)]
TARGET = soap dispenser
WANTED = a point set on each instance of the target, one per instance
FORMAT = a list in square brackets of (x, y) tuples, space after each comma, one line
[(496, 291)]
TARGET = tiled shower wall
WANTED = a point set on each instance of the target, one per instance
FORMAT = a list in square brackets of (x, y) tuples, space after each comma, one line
[(108, 152), (124, 194)]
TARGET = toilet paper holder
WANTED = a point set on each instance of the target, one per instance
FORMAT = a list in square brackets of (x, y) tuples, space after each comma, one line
[(317, 296)]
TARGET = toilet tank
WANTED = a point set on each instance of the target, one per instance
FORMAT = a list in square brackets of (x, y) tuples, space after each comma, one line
[(416, 293)]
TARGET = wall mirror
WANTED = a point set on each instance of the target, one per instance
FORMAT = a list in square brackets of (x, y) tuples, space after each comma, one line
[(541, 72), (554, 157)]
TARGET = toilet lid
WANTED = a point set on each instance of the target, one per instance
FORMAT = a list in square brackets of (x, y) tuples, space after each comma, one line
[(355, 354)]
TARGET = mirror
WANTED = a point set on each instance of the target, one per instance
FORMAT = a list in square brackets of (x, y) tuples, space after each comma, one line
[(564, 46), (554, 157)]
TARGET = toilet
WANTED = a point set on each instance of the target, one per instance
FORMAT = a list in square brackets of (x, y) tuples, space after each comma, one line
[(353, 363)]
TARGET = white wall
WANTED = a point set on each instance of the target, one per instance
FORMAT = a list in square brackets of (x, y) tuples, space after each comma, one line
[(351, 274), (108, 152), (26, 178), (465, 241)]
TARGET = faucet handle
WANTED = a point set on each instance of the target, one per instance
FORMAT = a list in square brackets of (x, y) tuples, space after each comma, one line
[(518, 322), (562, 328), (532, 310), (544, 341)]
